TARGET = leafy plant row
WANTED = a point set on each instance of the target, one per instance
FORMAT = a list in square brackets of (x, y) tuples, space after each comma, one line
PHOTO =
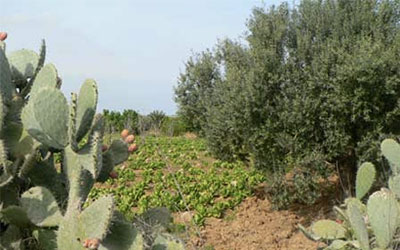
[(177, 173)]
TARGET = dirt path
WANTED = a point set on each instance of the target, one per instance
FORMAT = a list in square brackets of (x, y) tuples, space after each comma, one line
[(255, 226)]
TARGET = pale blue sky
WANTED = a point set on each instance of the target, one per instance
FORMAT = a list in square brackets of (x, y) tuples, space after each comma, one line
[(134, 49)]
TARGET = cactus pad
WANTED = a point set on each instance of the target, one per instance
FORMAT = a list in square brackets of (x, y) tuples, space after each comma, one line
[(11, 239), (96, 219), (383, 214), (46, 78), (338, 244), (86, 108), (357, 223), (122, 235), (327, 229), (42, 56), (391, 150), (309, 235), (41, 207), (46, 238), (23, 63), (119, 151), (46, 118), (365, 179), (394, 185), (6, 86), (15, 215)]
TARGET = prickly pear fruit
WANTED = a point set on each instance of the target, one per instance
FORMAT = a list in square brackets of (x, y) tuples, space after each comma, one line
[(129, 139), (91, 243), (124, 133), (104, 148), (86, 243), (113, 175), (3, 36), (132, 148), (94, 243)]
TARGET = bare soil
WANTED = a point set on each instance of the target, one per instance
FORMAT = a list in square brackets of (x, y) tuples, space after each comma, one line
[(254, 225)]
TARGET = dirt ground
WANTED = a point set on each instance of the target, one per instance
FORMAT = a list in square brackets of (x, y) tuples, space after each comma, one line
[(253, 225)]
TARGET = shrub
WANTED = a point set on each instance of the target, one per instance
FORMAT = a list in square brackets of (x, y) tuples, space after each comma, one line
[(116, 121), (194, 88), (322, 77), (156, 117), (174, 126)]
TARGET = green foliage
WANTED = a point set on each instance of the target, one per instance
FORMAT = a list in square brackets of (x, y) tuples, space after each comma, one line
[(116, 121), (371, 226), (156, 121), (51, 155), (173, 126), (302, 187), (156, 118), (322, 77), (226, 127), (195, 85), (177, 173)]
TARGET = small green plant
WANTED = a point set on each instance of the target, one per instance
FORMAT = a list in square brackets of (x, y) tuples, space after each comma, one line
[(370, 225), (299, 186), (279, 192)]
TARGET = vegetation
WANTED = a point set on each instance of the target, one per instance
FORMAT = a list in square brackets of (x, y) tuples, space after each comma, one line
[(366, 226), (156, 121), (42, 205), (116, 121), (174, 126), (320, 79), (177, 173), (311, 90)]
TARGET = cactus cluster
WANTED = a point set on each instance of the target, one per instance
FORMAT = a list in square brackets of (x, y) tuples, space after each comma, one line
[(370, 225), (43, 204)]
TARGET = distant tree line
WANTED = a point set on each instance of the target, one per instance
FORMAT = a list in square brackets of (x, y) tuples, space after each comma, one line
[(156, 122), (313, 87)]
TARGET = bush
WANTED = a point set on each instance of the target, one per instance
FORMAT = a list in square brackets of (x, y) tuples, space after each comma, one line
[(174, 126), (156, 117), (116, 121), (320, 78), (195, 85)]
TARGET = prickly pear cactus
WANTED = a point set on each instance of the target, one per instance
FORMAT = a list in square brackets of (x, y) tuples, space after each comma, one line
[(383, 213), (357, 223), (45, 201), (364, 180), (376, 224)]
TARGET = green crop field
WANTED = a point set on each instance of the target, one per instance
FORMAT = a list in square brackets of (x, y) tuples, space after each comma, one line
[(178, 173)]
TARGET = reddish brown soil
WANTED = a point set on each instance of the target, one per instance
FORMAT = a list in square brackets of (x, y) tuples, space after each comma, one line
[(254, 225)]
